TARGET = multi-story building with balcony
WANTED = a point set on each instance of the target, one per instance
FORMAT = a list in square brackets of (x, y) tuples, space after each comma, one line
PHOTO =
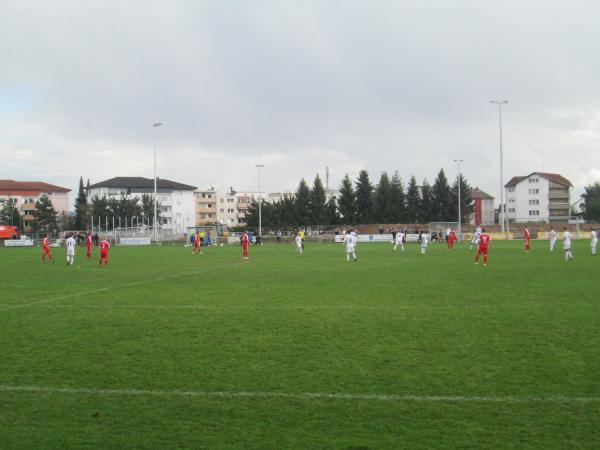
[(177, 202), (24, 194), (538, 197), (206, 206)]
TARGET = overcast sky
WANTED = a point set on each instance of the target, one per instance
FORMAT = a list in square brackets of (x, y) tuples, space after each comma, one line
[(298, 86)]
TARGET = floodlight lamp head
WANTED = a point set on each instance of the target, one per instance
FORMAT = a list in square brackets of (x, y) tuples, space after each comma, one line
[(158, 124)]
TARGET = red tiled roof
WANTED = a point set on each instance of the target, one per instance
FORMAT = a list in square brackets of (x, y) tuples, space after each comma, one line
[(556, 178), (27, 187), (549, 176), (478, 193), (514, 181)]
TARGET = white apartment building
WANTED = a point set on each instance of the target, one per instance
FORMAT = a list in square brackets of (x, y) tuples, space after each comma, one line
[(538, 197), (232, 206), (483, 208), (26, 193), (177, 202)]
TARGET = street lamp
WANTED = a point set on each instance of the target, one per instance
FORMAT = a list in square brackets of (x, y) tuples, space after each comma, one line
[(155, 138), (502, 209), (259, 166), (458, 161)]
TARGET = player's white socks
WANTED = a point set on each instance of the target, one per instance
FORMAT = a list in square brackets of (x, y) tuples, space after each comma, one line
[(568, 255)]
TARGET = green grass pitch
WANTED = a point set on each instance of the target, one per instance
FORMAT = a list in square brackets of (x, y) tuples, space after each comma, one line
[(168, 350)]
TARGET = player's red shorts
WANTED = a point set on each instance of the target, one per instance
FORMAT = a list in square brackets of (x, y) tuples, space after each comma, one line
[(47, 250), (483, 250), (103, 255)]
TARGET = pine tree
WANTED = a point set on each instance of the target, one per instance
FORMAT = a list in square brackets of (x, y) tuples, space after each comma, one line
[(347, 202), (99, 210), (398, 200), (382, 204), (413, 201), (364, 198), (148, 209), (125, 208), (318, 203), (591, 202), (441, 211), (45, 216), (466, 200), (288, 211), (333, 217), (425, 212), (302, 203), (81, 208)]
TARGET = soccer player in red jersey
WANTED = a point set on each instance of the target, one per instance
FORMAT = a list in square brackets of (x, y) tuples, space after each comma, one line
[(452, 239), (484, 241), (104, 246), (245, 245), (88, 244), (527, 240), (197, 244), (46, 249)]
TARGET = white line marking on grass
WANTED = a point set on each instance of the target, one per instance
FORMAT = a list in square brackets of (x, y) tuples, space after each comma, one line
[(303, 396), (312, 307), (108, 288)]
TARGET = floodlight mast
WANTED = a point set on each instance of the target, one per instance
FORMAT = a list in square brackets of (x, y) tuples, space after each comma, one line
[(155, 127), (502, 207), (259, 166), (458, 161)]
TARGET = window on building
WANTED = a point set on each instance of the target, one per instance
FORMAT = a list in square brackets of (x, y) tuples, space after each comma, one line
[(510, 189), (222, 210), (511, 200), (534, 212), (534, 202), (534, 180), (203, 216), (222, 200), (511, 209), (534, 191), (230, 210), (210, 205)]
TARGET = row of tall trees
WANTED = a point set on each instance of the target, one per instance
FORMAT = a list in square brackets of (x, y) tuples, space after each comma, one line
[(103, 207), (124, 208), (361, 202)]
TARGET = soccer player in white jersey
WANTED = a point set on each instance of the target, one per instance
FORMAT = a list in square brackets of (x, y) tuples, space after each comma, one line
[(424, 242), (552, 238), (351, 240), (475, 239), (298, 241), (567, 244), (594, 241), (399, 240), (70, 243)]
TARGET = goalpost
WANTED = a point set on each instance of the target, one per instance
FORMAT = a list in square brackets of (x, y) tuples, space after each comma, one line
[(442, 227)]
